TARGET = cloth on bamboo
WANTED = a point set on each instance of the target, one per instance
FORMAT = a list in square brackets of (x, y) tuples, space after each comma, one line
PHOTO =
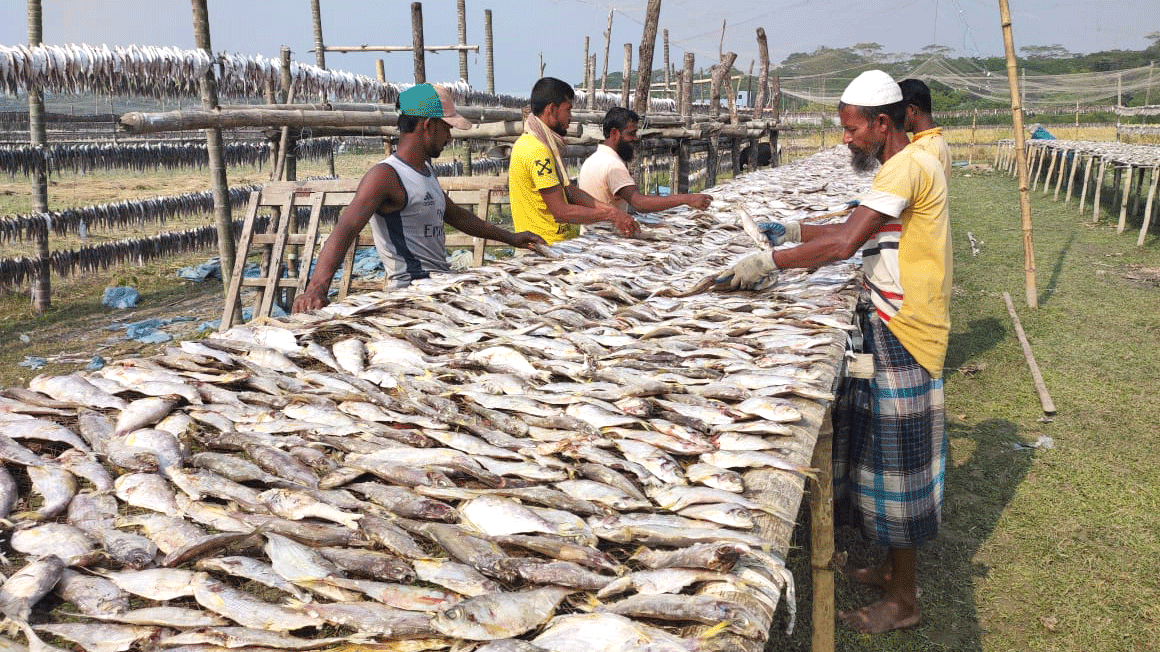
[(890, 444)]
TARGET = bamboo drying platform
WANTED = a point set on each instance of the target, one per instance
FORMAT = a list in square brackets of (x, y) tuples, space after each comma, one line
[(1050, 162)]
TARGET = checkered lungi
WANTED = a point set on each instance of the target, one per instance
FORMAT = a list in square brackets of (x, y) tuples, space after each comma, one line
[(890, 444)]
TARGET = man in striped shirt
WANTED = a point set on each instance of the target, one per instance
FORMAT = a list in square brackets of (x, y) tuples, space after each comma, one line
[(890, 438)]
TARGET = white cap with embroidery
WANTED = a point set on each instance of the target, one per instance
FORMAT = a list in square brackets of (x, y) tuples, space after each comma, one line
[(872, 88)]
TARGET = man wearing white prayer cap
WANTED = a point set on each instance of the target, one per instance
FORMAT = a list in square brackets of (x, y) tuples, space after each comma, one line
[(890, 437)]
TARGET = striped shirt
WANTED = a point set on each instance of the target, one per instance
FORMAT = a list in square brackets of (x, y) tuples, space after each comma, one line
[(907, 263)]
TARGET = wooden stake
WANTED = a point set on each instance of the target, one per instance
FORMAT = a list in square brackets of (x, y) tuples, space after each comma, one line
[(1087, 176), (625, 80), (1144, 222), (1040, 386), (592, 82), (687, 91), (644, 66), (213, 142), (668, 80), (607, 42), (41, 290), (461, 9), (1099, 190), (1017, 121), (320, 59), (381, 72), (417, 42), (1124, 199), (822, 539), (489, 54), (584, 77), (763, 74), (1071, 178)]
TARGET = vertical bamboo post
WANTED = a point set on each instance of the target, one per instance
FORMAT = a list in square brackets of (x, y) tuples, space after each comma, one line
[(822, 538), (971, 148), (41, 290), (1138, 190), (213, 142), (1147, 219), (592, 81), (490, 55), (461, 9), (1099, 190), (644, 58), (763, 72), (682, 166), (1087, 176), (607, 43), (1055, 152), (287, 162), (1063, 157), (624, 81), (381, 73), (1071, 178), (320, 59), (1128, 172), (712, 160), (1017, 121), (417, 42), (687, 91), (668, 79), (584, 77)]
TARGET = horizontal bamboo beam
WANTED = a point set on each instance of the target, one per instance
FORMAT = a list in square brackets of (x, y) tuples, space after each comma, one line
[(397, 48)]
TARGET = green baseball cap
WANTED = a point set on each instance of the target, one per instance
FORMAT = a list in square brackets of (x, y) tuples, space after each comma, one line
[(431, 101)]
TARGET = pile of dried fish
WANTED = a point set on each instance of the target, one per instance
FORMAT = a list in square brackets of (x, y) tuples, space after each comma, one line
[(555, 449)]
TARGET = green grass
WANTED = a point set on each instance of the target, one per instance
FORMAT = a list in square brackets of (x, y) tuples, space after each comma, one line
[(1049, 549)]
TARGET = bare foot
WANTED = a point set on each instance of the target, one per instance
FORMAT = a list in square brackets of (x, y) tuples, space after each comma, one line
[(882, 616), (878, 576)]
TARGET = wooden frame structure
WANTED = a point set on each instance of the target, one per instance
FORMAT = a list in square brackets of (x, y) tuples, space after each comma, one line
[(288, 253)]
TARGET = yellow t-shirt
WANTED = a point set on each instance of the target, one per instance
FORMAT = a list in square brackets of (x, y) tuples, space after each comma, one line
[(932, 142), (531, 170), (907, 263)]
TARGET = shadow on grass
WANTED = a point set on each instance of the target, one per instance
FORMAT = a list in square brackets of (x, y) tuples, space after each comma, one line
[(1049, 288), (977, 492), (981, 336)]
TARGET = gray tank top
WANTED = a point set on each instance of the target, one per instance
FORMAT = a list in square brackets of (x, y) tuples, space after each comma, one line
[(411, 241)]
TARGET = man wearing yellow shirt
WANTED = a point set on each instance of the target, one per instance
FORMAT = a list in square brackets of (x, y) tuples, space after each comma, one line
[(890, 441), (544, 200), (919, 122)]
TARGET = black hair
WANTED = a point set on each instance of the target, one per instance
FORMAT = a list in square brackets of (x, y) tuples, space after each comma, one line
[(896, 112), (549, 90), (407, 123), (618, 117), (916, 92)]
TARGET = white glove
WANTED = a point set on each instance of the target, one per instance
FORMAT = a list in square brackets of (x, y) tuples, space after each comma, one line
[(749, 271)]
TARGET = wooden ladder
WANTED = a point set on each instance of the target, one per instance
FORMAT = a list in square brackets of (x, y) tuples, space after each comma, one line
[(288, 254)]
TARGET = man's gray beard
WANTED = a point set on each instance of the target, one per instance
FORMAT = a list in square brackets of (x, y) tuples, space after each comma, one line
[(865, 161)]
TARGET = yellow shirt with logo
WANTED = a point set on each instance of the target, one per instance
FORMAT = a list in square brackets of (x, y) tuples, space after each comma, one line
[(531, 170)]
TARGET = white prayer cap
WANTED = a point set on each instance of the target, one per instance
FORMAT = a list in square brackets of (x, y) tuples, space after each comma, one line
[(872, 88)]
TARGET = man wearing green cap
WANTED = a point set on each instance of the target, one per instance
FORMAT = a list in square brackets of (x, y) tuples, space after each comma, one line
[(890, 443), (405, 204)]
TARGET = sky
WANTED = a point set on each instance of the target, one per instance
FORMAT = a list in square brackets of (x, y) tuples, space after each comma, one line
[(555, 29)]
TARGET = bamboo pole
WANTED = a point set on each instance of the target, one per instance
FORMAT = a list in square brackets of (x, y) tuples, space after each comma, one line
[(461, 10), (490, 52), (584, 76), (417, 42), (687, 90), (624, 81), (1124, 199), (822, 539), (213, 141), (971, 149), (1147, 219), (1071, 179), (320, 60), (401, 48), (763, 74), (1037, 378), (607, 43), (1062, 170), (1050, 169), (381, 73), (1017, 121), (1099, 190), (645, 58), (591, 82), (668, 80), (287, 164), (41, 289)]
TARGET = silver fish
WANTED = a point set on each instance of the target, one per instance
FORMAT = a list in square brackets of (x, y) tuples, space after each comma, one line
[(144, 412), (248, 611), (245, 638), (90, 594), (461, 578), (608, 632), (103, 637), (86, 466), (374, 618), (296, 505), (44, 430), (56, 485), (75, 389), (156, 583), (72, 545), (251, 569), (24, 588), (146, 490), (499, 615)]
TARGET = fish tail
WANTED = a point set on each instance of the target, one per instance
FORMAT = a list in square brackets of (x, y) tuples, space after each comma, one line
[(714, 630)]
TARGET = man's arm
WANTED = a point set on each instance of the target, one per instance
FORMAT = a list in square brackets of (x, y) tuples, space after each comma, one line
[(832, 242), (379, 188), (581, 208), (469, 223), (651, 203)]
